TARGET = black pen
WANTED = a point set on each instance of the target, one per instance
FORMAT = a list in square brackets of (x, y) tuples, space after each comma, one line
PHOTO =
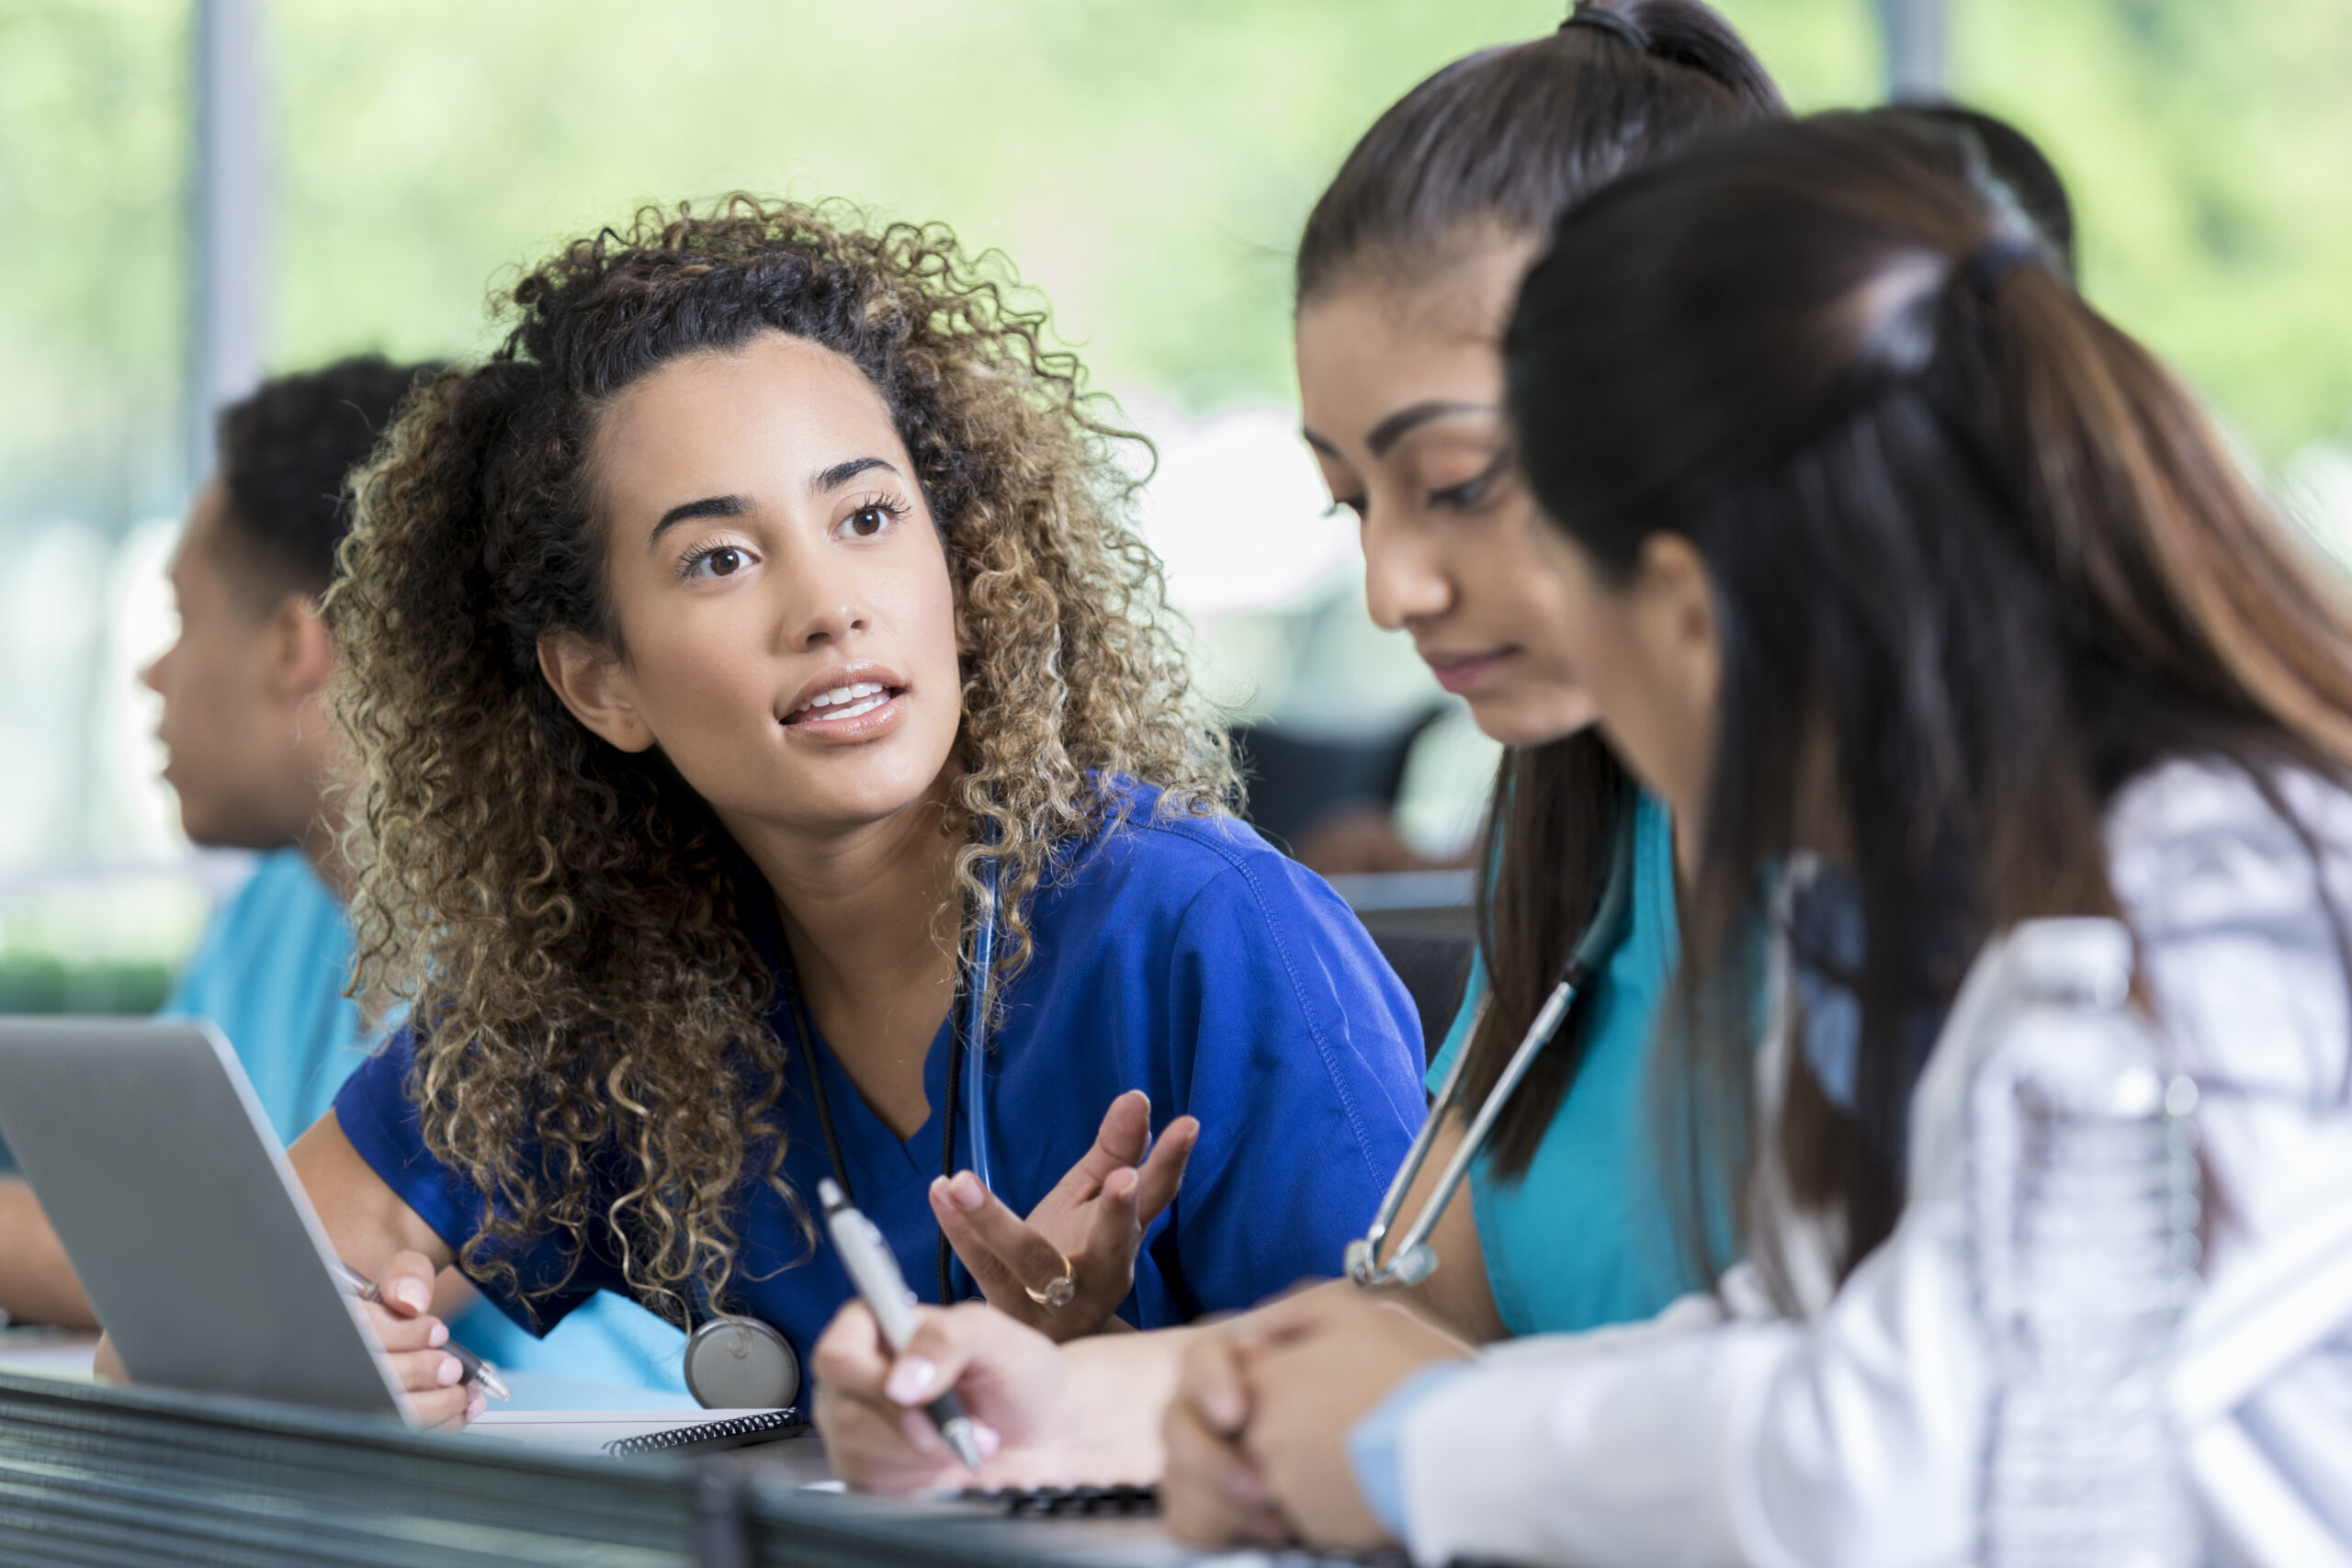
[(876, 1274), (478, 1371)]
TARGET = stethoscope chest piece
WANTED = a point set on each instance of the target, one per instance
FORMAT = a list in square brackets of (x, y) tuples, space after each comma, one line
[(740, 1363), (1409, 1267)]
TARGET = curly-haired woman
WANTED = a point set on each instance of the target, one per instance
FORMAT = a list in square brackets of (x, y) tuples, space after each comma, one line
[(755, 619)]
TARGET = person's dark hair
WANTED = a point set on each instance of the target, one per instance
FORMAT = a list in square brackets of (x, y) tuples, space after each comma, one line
[(2012, 158), (562, 913), (1492, 149), (1978, 561), (284, 454)]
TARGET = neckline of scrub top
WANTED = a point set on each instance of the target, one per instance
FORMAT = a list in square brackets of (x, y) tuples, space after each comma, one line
[(857, 1126)]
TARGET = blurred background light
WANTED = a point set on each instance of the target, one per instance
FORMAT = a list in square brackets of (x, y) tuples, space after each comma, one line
[(372, 169)]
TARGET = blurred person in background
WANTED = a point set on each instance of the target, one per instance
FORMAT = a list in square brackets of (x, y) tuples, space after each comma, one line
[(253, 755), (257, 763)]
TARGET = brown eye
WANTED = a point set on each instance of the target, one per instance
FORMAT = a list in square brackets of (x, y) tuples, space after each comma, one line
[(870, 522), (719, 561)]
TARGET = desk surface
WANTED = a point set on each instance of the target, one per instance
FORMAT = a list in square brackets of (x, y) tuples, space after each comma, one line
[(91, 1474)]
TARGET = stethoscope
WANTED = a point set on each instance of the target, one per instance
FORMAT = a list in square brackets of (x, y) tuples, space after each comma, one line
[(734, 1362), (1414, 1259)]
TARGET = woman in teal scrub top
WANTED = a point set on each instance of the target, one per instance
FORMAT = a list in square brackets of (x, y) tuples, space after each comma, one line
[(1406, 275)]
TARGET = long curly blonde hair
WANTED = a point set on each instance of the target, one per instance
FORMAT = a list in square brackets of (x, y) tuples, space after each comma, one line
[(559, 916)]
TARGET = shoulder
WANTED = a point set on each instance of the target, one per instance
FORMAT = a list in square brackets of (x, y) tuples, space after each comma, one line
[(283, 892), (2238, 887), (1176, 858), (2194, 843)]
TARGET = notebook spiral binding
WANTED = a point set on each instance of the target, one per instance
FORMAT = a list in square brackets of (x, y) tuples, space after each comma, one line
[(734, 1430)]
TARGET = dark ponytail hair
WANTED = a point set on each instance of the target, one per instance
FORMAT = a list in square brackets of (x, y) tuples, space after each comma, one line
[(1978, 561), (1495, 147)]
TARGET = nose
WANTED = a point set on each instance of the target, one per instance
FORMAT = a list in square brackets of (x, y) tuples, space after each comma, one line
[(823, 605), (1403, 579), (151, 676)]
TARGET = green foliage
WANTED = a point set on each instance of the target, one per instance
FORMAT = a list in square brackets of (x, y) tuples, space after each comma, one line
[(44, 982), (2206, 149), (1146, 162)]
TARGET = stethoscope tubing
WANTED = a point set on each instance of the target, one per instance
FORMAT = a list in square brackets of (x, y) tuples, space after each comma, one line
[(975, 1023), (1412, 1261)]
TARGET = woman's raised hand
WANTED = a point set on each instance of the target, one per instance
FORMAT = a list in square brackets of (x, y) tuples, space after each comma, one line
[(411, 1337), (869, 1404), (1087, 1229)]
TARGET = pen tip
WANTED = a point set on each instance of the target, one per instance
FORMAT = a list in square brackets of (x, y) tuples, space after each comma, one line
[(958, 1433)]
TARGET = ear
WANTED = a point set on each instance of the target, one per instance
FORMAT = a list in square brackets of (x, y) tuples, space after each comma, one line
[(596, 688), (300, 648), (1676, 614)]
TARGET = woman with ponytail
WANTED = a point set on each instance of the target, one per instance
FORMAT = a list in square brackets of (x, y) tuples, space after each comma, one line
[(1919, 588), (778, 769), (1405, 275)]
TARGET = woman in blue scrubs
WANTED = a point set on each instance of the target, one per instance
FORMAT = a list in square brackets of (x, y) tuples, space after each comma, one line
[(720, 652), (1405, 276)]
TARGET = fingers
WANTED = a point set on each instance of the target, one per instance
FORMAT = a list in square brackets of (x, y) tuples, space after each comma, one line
[(449, 1408), (1108, 1266), (405, 1284), (849, 1355), (867, 1438), (397, 1333), (1005, 1253), (1163, 1173), (1210, 1494), (1212, 1383), (868, 1404), (413, 1340), (1123, 1136), (998, 1362)]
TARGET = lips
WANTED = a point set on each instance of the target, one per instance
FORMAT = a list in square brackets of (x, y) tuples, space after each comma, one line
[(844, 700), (1459, 672), (852, 701)]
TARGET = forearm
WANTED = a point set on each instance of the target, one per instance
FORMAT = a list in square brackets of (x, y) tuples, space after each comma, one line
[(366, 1221), (37, 1281), (1458, 1297), (1119, 1389)]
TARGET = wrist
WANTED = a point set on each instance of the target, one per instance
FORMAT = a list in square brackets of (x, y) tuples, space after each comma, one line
[(1115, 1390)]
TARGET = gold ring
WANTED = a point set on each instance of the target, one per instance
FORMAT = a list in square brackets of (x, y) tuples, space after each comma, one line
[(1058, 1295)]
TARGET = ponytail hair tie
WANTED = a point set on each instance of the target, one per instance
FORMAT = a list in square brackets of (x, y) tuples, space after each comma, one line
[(1588, 14), (1990, 264)]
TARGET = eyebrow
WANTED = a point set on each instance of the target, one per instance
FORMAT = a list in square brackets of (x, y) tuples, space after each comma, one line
[(841, 474), (708, 506), (1393, 429)]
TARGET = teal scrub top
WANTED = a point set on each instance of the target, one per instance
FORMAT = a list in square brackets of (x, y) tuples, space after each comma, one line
[(269, 973), (1586, 1237)]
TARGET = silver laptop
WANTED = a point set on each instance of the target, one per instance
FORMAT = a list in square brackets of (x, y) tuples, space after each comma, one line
[(199, 1250)]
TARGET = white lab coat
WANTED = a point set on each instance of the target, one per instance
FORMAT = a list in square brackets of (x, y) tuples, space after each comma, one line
[(1851, 1429)]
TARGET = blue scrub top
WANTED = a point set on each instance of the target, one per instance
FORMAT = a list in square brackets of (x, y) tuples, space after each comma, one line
[(1176, 954), (1587, 1237), (269, 973)]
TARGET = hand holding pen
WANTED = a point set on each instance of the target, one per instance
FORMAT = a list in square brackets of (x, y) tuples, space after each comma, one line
[(866, 1257), (447, 1383)]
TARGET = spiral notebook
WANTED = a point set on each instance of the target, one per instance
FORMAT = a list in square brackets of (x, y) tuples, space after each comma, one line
[(709, 1437)]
